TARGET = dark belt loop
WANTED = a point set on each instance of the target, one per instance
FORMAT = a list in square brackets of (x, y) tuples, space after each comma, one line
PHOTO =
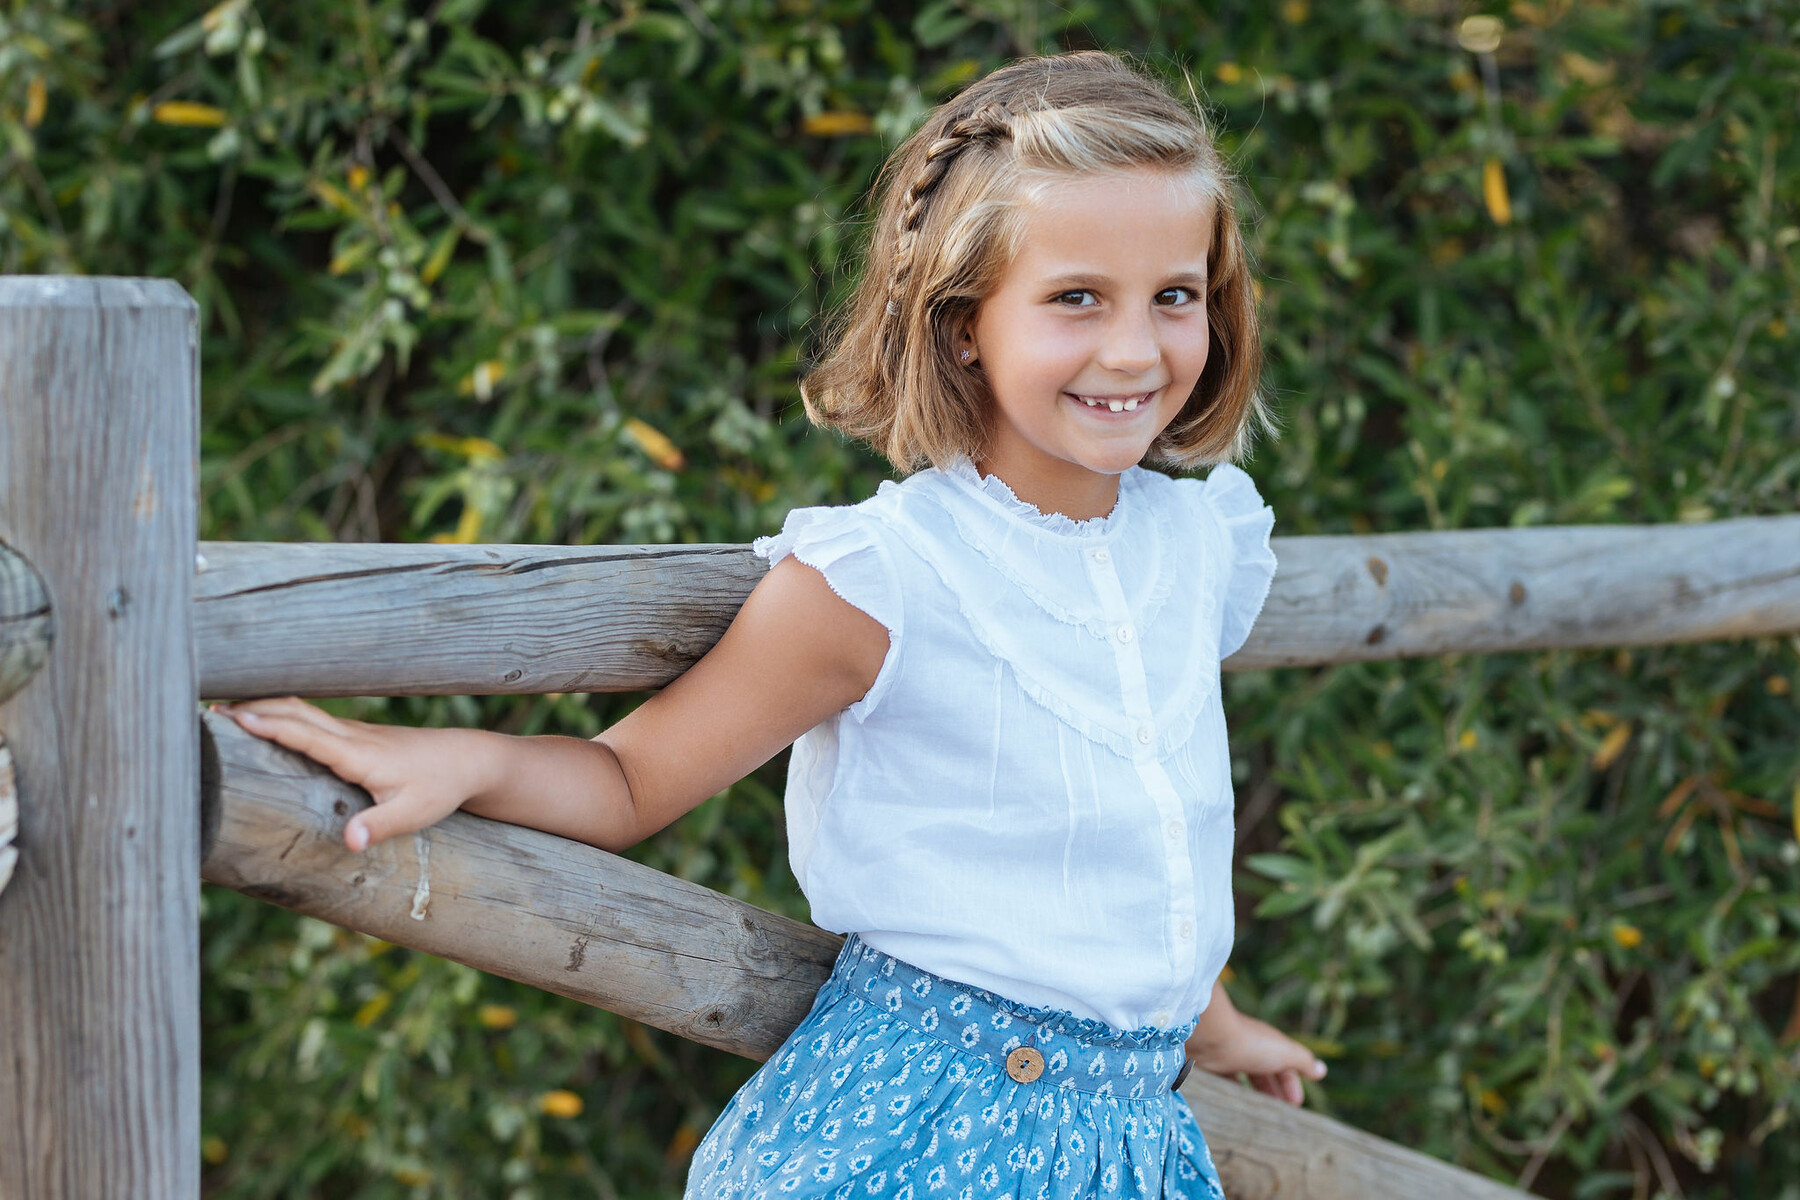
[(1187, 1064)]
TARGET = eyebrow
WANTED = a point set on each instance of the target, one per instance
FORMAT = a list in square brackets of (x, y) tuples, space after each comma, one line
[(1078, 279)]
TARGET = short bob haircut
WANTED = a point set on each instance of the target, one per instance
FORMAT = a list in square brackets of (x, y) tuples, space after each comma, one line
[(949, 217)]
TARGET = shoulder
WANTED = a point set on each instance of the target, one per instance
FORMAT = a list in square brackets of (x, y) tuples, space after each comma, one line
[(1227, 494)]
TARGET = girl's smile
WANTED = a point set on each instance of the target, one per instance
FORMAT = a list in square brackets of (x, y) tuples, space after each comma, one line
[(1096, 335)]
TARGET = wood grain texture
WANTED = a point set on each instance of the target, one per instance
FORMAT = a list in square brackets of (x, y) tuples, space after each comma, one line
[(557, 914), (99, 928), (1265, 1149), (9, 815), (350, 620), (25, 626), (338, 620), (609, 932)]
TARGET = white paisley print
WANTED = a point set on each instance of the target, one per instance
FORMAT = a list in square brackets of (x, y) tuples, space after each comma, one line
[(896, 1085)]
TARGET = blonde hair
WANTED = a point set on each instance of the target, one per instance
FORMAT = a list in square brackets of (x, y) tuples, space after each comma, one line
[(949, 220)]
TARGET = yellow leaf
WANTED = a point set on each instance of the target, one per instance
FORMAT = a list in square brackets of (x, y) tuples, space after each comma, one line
[(1627, 936), (440, 255), (1294, 12), (215, 16), (1776, 685), (655, 444), (1492, 1102), (468, 526), (183, 112), (350, 257), (682, 1144), (497, 1016), (1611, 746), (1580, 67), (1468, 739), (836, 123), (482, 379), (332, 196), (1229, 72), (1493, 190), (412, 1176), (372, 1009), (1598, 718), (560, 1103), (359, 176), (212, 1150), (36, 98)]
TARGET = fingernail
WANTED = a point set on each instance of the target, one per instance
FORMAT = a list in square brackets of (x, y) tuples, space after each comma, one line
[(358, 837), (1318, 1069)]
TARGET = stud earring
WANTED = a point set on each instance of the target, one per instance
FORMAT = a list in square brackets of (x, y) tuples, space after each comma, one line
[(967, 355)]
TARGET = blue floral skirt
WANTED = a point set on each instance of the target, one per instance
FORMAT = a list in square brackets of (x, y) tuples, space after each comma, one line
[(900, 1083)]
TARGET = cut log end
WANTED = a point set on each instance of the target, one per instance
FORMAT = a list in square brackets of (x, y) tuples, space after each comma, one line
[(26, 630)]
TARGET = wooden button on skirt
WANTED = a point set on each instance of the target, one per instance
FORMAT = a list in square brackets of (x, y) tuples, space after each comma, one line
[(1024, 1064)]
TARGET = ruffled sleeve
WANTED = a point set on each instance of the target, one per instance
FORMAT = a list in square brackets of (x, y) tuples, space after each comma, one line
[(1245, 522), (845, 546)]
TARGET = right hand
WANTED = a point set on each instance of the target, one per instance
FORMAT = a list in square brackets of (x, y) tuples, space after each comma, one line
[(416, 777)]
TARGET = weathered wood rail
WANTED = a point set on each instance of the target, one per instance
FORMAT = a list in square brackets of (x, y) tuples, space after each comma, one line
[(383, 620), (119, 802)]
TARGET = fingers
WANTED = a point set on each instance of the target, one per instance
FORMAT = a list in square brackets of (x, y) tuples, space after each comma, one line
[(403, 814), (293, 723), (1282, 1085)]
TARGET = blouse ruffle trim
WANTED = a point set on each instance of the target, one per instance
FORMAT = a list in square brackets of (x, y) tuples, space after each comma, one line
[(1062, 524), (1162, 582), (1109, 730), (1246, 523), (842, 545)]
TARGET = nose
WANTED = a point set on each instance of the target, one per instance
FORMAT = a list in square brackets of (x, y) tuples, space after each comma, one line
[(1130, 346)]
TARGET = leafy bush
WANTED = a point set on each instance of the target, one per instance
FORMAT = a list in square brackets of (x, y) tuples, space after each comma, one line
[(536, 272)]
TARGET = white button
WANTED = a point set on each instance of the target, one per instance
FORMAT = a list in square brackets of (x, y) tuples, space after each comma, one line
[(1176, 829), (1145, 733), (1125, 634), (1187, 929), (1101, 556), (1161, 1016)]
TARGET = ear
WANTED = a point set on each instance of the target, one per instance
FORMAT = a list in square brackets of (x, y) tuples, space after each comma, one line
[(966, 353)]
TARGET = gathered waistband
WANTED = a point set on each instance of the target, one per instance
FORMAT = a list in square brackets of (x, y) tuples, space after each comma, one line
[(1036, 1047)]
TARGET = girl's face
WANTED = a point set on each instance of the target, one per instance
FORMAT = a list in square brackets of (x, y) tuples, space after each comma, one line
[(1096, 334)]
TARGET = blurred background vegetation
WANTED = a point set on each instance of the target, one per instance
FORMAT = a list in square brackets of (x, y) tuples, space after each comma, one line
[(548, 273)]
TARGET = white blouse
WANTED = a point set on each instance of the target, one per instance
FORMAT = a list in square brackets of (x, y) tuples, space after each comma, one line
[(1035, 795)]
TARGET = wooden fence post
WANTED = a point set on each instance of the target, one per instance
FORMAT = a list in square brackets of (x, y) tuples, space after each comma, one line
[(99, 927)]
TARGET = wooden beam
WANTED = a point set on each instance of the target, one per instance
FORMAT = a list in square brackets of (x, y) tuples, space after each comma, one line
[(99, 927), (601, 929), (344, 620), (557, 914)]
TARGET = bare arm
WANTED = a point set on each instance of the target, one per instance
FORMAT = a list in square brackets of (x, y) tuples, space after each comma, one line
[(1226, 1042), (795, 654)]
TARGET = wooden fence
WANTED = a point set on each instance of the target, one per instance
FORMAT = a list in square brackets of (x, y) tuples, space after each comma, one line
[(121, 622)]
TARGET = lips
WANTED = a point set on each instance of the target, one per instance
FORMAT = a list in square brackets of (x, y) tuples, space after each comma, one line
[(1117, 404)]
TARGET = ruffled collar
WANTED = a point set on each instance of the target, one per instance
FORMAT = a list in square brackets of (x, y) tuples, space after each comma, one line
[(994, 489)]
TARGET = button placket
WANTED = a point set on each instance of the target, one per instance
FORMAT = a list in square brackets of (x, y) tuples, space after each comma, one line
[(1134, 695)]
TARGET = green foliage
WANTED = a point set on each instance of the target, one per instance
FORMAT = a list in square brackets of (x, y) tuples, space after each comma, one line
[(535, 272)]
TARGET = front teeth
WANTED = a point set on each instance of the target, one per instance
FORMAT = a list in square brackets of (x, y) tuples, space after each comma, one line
[(1115, 405)]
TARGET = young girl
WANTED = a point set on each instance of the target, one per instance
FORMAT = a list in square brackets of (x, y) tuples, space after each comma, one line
[(1010, 786)]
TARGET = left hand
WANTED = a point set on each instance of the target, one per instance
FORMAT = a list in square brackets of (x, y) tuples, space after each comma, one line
[(1226, 1042)]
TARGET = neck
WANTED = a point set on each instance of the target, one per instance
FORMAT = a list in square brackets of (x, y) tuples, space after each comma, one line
[(1080, 495)]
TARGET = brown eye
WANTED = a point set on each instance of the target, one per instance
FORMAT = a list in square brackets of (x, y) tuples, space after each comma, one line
[(1081, 298), (1170, 297)]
